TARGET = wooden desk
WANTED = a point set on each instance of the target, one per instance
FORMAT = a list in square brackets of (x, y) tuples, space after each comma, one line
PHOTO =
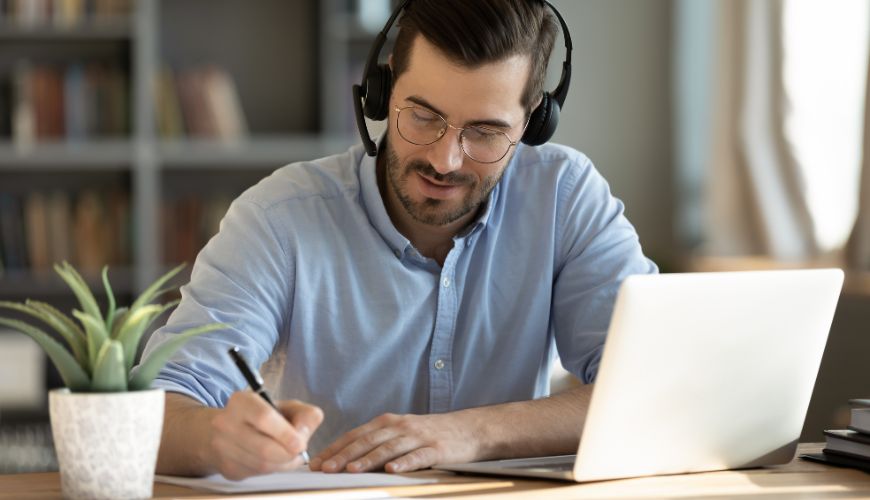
[(796, 479)]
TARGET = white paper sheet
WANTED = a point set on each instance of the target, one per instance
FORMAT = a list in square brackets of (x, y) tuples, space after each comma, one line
[(302, 479), (345, 495)]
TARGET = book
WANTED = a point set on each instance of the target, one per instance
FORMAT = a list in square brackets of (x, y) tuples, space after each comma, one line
[(12, 237), (847, 442), (5, 108), (170, 122), (860, 415), (37, 231), (74, 98), (23, 109), (198, 119), (209, 104), (89, 228), (60, 226), (68, 13), (838, 460), (223, 102)]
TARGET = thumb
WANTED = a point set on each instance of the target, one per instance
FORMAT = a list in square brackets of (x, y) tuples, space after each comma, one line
[(304, 417)]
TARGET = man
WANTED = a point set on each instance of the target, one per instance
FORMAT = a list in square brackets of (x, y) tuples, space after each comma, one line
[(408, 308)]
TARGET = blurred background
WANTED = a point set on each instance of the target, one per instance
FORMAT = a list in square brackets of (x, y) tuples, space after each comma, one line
[(733, 130)]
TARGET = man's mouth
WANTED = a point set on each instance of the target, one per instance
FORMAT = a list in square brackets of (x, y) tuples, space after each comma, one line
[(437, 190)]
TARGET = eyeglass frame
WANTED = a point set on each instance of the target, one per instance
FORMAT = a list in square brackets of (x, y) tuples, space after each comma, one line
[(443, 132)]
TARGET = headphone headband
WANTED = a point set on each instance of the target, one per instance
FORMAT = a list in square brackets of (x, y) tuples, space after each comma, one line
[(371, 97)]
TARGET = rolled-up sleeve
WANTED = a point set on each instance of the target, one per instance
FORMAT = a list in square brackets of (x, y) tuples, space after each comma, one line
[(242, 278), (597, 249)]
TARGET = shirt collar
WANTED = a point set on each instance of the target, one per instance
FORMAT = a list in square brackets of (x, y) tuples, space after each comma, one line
[(374, 204), (380, 219)]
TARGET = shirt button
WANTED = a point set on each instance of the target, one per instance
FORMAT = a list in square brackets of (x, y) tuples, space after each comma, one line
[(439, 364), (446, 282)]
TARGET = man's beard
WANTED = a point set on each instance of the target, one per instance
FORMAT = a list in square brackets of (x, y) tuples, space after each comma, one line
[(431, 211)]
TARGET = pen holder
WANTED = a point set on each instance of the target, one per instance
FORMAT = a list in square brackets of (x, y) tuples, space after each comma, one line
[(106, 443)]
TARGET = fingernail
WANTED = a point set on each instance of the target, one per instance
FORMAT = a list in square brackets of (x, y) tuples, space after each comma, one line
[(329, 464), (394, 467), (304, 430), (355, 466)]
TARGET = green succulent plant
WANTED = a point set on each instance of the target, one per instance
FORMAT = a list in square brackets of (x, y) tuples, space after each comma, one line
[(102, 348)]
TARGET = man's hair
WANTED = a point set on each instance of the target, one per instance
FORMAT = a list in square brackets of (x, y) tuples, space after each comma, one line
[(472, 33)]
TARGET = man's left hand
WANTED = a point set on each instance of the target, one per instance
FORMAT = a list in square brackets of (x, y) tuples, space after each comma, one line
[(401, 443)]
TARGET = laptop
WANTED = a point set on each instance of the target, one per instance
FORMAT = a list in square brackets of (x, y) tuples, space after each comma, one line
[(700, 372)]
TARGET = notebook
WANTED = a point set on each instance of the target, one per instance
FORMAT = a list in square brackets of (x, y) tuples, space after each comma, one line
[(700, 372)]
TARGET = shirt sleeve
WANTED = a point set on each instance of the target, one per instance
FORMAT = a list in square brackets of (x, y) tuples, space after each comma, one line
[(597, 249), (242, 278)]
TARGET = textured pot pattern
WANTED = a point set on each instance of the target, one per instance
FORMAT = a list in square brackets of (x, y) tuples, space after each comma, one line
[(106, 442)]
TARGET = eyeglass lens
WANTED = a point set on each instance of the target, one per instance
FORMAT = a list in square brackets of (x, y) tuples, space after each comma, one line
[(423, 127)]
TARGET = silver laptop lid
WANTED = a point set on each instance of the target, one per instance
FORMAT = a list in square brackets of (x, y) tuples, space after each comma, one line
[(706, 371)]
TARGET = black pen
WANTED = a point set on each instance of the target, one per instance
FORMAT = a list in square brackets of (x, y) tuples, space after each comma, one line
[(256, 382)]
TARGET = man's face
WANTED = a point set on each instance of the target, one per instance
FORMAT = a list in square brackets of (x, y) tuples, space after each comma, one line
[(438, 184)]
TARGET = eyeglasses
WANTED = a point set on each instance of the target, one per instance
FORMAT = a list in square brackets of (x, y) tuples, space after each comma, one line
[(422, 127)]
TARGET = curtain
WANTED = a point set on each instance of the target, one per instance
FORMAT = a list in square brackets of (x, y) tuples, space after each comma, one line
[(751, 197), (858, 249)]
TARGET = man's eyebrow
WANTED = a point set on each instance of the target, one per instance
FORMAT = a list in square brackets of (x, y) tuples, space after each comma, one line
[(490, 122)]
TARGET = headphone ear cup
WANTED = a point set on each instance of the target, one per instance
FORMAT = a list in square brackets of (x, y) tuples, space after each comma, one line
[(543, 122), (379, 83)]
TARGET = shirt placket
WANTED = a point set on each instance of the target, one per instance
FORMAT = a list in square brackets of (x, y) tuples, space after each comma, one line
[(441, 353)]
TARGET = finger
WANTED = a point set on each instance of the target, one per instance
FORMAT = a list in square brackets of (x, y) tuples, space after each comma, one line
[(421, 458), (339, 444), (377, 458), (347, 438), (358, 448), (301, 414), (265, 447), (266, 420), (303, 417), (239, 455)]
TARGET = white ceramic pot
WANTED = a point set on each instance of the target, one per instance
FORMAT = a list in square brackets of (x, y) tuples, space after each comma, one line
[(106, 442)]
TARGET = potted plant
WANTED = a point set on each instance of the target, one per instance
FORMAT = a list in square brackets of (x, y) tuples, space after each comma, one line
[(106, 423)]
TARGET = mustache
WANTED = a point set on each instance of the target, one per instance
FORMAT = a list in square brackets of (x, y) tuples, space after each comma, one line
[(429, 171)]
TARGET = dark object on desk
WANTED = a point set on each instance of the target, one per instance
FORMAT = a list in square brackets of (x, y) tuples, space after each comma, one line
[(848, 442), (837, 460), (860, 415)]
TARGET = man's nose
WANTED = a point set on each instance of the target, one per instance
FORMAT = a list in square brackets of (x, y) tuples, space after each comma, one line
[(446, 154)]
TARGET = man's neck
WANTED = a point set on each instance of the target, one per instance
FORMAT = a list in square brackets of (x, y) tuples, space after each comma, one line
[(431, 241)]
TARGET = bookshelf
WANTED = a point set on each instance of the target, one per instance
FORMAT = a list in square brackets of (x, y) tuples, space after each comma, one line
[(291, 63)]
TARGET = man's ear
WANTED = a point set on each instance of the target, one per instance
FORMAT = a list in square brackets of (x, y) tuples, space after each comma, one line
[(537, 103)]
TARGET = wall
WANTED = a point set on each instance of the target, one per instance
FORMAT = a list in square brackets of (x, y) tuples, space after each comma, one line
[(618, 110)]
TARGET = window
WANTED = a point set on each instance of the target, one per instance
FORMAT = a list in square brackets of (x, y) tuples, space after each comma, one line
[(825, 45)]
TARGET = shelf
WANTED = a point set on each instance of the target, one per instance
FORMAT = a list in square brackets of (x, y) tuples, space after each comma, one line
[(112, 154), (269, 152), (19, 284), (115, 29)]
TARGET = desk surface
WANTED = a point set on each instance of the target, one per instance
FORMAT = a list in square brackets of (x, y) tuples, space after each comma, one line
[(796, 479)]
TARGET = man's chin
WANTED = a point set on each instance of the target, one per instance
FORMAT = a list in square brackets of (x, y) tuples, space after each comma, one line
[(436, 212)]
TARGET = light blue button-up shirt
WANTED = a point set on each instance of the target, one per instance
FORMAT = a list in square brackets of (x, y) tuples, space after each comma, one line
[(341, 311)]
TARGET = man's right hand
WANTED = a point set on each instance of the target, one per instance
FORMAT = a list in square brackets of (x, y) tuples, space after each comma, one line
[(246, 438)]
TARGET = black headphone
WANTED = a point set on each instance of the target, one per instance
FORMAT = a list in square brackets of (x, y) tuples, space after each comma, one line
[(371, 99)]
